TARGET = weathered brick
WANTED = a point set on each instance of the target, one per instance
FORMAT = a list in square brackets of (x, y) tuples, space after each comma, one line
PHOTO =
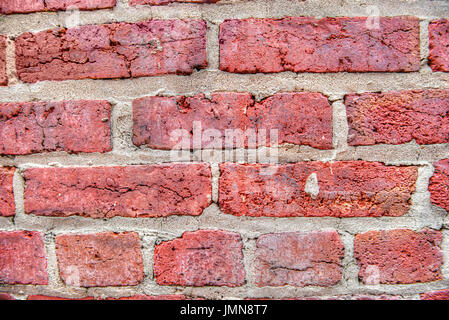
[(71, 126), (436, 295), (201, 258), (300, 118), (3, 75), (117, 50), (22, 258), (146, 297), (439, 184), (41, 297), (399, 256), (316, 189), (100, 260), (438, 44), (6, 296), (26, 6), (398, 117), (304, 44), (7, 205), (162, 2), (106, 192), (299, 259)]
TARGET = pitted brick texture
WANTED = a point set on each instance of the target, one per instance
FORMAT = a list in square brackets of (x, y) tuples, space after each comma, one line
[(100, 260), (22, 258), (7, 204), (345, 189), (304, 44), (106, 192), (3, 75), (162, 2), (436, 295), (399, 256), (71, 126), (439, 184), (178, 122), (117, 50), (398, 117), (201, 258), (299, 259), (26, 6), (438, 45)]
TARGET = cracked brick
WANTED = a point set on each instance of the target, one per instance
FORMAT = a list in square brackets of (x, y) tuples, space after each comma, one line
[(106, 192), (438, 45), (117, 50), (299, 259), (28, 6), (305, 44), (100, 260), (344, 189), (400, 256), (71, 126), (22, 258), (3, 75), (7, 204), (163, 2), (200, 258), (439, 184), (398, 117), (300, 118)]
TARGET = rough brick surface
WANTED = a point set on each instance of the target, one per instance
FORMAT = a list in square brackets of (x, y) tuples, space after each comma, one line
[(399, 256), (41, 297), (3, 76), (26, 6), (436, 295), (6, 296), (106, 192), (22, 258), (7, 205), (299, 259), (438, 45), (300, 118), (71, 126), (100, 260), (304, 44), (145, 297), (398, 117), (162, 2), (341, 189), (201, 258), (117, 50), (439, 184)]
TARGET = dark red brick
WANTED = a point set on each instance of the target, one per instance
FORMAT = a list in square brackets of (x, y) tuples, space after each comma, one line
[(117, 50), (399, 256), (41, 297), (439, 184), (305, 44), (71, 126), (346, 189), (7, 204), (436, 295), (146, 297), (106, 192), (201, 258), (162, 2), (300, 118), (398, 117), (22, 258), (299, 259), (6, 296), (26, 6), (100, 260), (3, 75), (438, 45)]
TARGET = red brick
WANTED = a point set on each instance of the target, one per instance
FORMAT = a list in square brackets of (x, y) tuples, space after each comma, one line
[(71, 126), (100, 260), (40, 297), (438, 44), (299, 259), (106, 192), (399, 256), (117, 50), (346, 189), (201, 258), (439, 184), (7, 205), (145, 297), (22, 258), (304, 44), (162, 2), (436, 295), (300, 118), (6, 296), (398, 117), (26, 6), (3, 75)]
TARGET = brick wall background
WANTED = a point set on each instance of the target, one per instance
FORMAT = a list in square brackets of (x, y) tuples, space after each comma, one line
[(93, 206)]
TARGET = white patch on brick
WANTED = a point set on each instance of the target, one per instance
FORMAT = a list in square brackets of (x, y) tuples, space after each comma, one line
[(312, 188)]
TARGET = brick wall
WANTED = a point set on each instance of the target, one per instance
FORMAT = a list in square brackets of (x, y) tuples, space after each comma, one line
[(349, 201)]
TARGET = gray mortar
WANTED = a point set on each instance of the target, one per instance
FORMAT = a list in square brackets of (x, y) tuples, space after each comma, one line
[(154, 230)]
